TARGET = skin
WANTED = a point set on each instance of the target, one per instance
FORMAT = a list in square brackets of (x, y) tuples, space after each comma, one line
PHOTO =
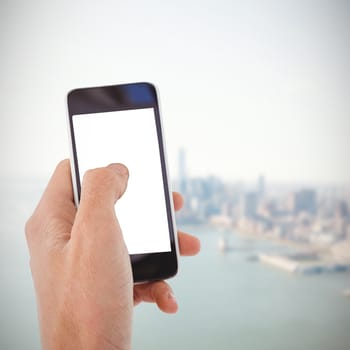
[(80, 265)]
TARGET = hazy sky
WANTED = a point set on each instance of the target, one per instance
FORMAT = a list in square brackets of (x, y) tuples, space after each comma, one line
[(247, 87)]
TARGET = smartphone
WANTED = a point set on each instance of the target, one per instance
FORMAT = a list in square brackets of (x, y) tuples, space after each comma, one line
[(122, 124)]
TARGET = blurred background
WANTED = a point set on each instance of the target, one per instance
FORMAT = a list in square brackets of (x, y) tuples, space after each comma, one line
[(256, 109)]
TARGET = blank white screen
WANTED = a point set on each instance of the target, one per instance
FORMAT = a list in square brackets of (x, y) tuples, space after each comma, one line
[(129, 137)]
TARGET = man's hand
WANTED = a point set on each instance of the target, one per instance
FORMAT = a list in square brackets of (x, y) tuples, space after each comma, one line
[(160, 292), (81, 267)]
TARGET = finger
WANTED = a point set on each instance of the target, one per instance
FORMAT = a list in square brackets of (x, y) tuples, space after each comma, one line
[(59, 192), (100, 190), (156, 292), (57, 200), (189, 245), (178, 201)]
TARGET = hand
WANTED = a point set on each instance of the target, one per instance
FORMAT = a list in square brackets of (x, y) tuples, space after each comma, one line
[(160, 292), (80, 265)]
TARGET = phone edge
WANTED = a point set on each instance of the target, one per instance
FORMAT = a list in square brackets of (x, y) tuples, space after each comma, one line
[(71, 151), (169, 187)]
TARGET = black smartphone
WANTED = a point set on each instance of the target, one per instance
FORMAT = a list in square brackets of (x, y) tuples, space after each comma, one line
[(122, 124)]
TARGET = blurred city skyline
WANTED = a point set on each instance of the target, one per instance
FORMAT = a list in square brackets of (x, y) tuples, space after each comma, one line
[(313, 217), (260, 183), (181, 168)]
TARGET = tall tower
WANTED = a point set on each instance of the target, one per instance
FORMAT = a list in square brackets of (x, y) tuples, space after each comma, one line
[(182, 171)]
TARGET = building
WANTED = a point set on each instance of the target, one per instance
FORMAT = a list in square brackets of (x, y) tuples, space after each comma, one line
[(249, 205), (303, 201)]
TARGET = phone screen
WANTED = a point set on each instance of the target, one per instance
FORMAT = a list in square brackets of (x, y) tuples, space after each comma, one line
[(128, 137)]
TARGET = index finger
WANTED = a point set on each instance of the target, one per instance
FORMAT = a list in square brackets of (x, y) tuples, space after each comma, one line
[(59, 192), (56, 210)]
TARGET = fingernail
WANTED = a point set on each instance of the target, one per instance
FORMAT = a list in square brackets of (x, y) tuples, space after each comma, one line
[(119, 168), (172, 298)]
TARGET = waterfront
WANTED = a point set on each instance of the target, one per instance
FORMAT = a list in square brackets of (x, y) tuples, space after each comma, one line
[(229, 302), (226, 301)]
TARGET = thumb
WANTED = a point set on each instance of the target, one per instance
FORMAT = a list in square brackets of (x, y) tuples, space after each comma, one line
[(100, 190)]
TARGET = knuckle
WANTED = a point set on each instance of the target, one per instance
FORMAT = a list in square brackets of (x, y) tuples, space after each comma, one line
[(159, 288), (29, 229), (63, 164), (100, 177), (97, 182)]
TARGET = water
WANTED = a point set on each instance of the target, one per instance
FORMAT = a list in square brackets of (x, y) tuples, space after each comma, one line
[(225, 301), (228, 302)]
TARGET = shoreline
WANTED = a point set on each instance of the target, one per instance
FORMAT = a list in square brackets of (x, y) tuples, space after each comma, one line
[(304, 258), (282, 242)]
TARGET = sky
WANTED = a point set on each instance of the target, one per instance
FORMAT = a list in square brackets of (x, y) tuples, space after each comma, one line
[(246, 87)]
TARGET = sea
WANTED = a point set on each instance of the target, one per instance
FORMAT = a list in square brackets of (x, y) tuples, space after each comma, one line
[(226, 300)]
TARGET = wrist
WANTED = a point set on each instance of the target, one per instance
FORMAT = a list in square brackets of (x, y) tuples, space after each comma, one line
[(71, 330)]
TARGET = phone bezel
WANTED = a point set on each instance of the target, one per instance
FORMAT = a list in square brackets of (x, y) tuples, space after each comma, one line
[(150, 266)]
